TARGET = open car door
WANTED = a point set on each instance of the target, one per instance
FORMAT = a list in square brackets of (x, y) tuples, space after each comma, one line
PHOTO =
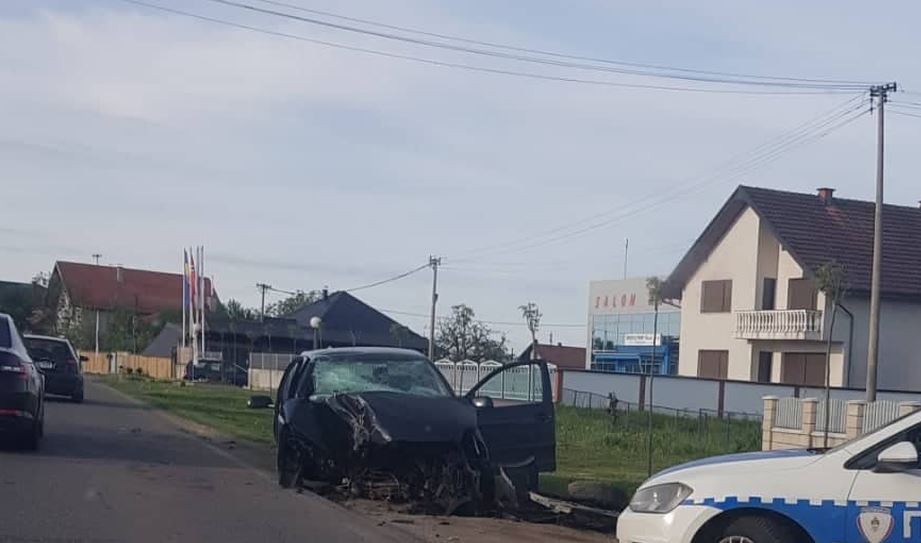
[(515, 415)]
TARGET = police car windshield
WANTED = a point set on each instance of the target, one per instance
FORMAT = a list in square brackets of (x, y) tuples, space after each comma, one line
[(869, 437)]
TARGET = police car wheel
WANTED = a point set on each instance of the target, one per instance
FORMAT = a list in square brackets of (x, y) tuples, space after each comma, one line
[(756, 529)]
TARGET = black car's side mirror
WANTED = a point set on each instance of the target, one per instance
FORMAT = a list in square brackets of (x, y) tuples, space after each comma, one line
[(259, 402), (482, 402), (84, 358)]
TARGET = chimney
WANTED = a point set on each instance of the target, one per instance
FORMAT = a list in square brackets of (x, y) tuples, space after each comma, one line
[(325, 293), (118, 273), (826, 194)]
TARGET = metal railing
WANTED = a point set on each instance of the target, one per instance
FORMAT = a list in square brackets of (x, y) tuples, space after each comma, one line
[(521, 383), (837, 416), (879, 413), (270, 361), (789, 414), (779, 324)]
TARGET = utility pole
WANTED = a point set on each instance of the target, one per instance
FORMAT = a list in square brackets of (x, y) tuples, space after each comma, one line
[(263, 287), (881, 93), (96, 257), (434, 262), (626, 250)]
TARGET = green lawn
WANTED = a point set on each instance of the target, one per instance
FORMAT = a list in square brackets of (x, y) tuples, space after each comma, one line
[(220, 407), (590, 443), (593, 445)]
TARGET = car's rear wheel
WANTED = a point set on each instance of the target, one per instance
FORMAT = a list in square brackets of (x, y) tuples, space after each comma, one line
[(33, 436), (756, 529)]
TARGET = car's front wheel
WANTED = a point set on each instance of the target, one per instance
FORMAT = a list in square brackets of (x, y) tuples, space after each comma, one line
[(287, 462), (756, 529), (77, 396)]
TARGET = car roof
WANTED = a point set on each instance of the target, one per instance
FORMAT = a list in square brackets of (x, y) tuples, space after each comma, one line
[(345, 351)]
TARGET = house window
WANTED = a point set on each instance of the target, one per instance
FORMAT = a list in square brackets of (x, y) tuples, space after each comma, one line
[(801, 294), (804, 369), (768, 294), (712, 364), (765, 367), (716, 296)]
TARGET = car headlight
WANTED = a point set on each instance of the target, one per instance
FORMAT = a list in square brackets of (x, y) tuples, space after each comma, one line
[(659, 498)]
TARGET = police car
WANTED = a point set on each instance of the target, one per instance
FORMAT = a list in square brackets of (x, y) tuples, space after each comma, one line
[(865, 490)]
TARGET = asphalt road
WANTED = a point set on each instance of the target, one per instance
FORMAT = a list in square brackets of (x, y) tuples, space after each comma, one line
[(113, 470)]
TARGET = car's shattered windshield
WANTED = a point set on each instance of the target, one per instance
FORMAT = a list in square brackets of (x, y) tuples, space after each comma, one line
[(414, 376)]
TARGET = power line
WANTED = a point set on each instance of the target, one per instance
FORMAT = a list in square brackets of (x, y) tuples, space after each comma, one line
[(472, 67), (497, 323), (389, 279), (554, 53), (906, 114), (768, 155), (537, 60), (738, 158)]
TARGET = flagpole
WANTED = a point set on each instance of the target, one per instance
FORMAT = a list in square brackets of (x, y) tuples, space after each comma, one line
[(184, 296), (202, 307)]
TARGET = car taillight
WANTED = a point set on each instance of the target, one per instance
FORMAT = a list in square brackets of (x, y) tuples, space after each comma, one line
[(71, 365), (17, 371)]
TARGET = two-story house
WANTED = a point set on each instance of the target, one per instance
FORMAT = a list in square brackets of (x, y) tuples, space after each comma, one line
[(750, 309)]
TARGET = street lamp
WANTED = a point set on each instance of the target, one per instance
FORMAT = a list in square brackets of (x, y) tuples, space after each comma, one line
[(315, 323)]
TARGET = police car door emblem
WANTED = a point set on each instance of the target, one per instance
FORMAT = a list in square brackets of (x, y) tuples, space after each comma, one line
[(875, 524)]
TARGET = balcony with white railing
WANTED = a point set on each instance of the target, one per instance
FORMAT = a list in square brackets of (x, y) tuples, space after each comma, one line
[(804, 324)]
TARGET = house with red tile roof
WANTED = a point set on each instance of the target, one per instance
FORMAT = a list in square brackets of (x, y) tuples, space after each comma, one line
[(750, 306), (76, 290)]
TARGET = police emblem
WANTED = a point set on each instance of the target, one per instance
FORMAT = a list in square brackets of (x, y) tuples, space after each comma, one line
[(875, 524)]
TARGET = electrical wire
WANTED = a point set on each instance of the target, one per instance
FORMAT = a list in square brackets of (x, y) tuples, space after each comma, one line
[(736, 166), (537, 60), (554, 53), (389, 279), (906, 114), (477, 68), (443, 318)]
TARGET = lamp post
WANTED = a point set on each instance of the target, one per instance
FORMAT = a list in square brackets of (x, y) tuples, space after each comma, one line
[(315, 323)]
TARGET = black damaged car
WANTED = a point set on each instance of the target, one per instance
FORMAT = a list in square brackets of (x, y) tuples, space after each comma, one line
[(384, 423)]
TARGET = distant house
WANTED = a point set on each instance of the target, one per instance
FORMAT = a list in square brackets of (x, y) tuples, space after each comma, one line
[(750, 306), (76, 290), (345, 321), (563, 356)]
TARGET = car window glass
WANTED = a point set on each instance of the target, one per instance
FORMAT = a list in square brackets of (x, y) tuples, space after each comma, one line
[(289, 377), (6, 338), (372, 373), (520, 384), (868, 459), (48, 349)]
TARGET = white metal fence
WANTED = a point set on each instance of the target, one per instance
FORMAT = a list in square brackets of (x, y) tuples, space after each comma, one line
[(878, 414), (270, 361), (837, 416), (521, 383), (789, 413)]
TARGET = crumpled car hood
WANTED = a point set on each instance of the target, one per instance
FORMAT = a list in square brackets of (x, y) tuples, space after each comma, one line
[(385, 417)]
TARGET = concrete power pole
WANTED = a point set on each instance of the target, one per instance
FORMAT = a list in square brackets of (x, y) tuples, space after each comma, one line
[(263, 287), (96, 257), (881, 93), (434, 263)]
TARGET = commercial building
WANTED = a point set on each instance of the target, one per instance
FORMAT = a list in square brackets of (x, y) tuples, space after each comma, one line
[(750, 306), (622, 328)]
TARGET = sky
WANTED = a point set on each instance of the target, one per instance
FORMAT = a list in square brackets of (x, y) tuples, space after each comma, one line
[(133, 133)]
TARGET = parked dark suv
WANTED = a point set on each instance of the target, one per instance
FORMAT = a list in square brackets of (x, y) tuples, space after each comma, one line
[(56, 359), (22, 391)]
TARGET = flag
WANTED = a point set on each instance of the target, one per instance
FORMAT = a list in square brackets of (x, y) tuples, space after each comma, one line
[(193, 282), (185, 280)]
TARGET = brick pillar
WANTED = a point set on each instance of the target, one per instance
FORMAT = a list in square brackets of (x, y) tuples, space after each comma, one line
[(810, 412), (853, 425), (906, 408), (767, 423)]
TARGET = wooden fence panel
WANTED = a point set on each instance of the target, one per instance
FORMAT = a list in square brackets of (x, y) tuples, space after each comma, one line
[(151, 366)]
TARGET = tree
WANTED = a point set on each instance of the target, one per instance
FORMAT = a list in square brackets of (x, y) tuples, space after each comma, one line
[(532, 315), (831, 280), (291, 303), (462, 337), (236, 311), (656, 288)]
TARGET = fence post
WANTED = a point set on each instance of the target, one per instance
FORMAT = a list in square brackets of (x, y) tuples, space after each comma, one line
[(768, 422), (907, 408), (642, 399), (856, 410), (810, 412)]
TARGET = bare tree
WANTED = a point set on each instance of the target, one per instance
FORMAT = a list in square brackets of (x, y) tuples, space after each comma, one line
[(831, 280), (532, 315)]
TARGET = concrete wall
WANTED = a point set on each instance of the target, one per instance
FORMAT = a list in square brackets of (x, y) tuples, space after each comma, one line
[(734, 257), (899, 343)]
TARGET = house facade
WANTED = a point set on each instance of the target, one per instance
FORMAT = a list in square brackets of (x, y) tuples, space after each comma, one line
[(751, 309)]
